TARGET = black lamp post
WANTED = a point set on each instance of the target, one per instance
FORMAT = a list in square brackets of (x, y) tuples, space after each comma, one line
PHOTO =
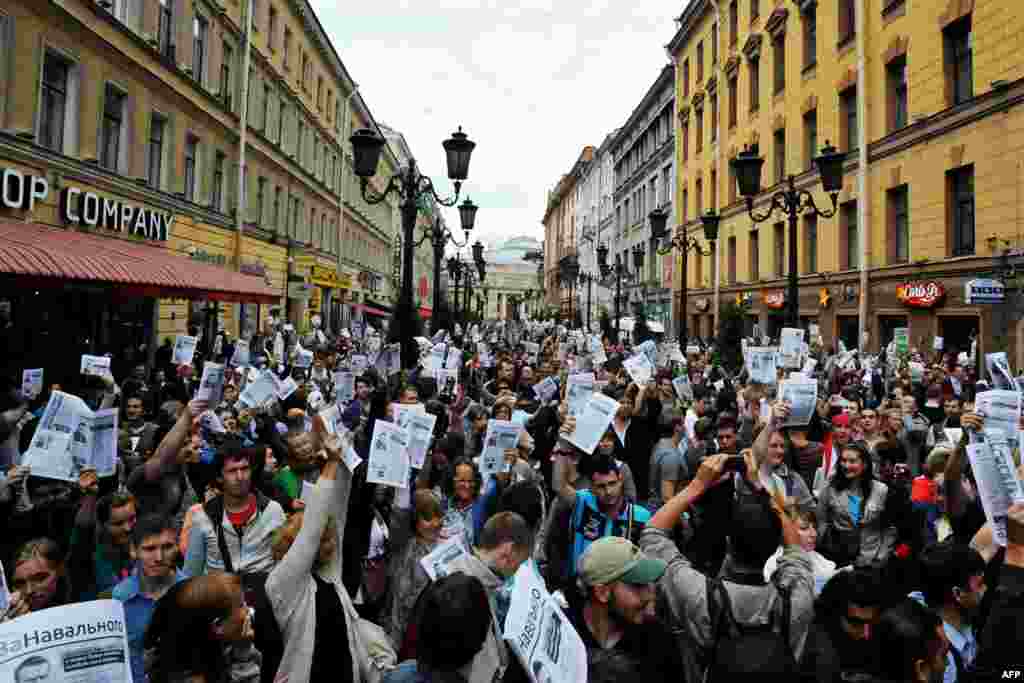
[(638, 267), (685, 244), (589, 279), (569, 273), (791, 201), (456, 268), (619, 270), (411, 186), (440, 236)]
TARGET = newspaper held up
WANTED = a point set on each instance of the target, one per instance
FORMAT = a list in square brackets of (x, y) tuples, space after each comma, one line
[(303, 357), (97, 366), (286, 388), (546, 389), (421, 431), (802, 395), (592, 423), (71, 437), (791, 346), (640, 368), (444, 558), (761, 364), (998, 486), (389, 456), (579, 388), (5, 593), (1001, 409), (32, 382), (501, 435), (184, 349), (241, 357), (359, 364), (998, 368), (344, 386), (683, 388), (211, 387), (92, 646), (259, 391), (540, 635)]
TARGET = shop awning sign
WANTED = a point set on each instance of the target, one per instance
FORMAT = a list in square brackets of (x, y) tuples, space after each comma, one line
[(774, 299), (984, 291), (920, 294)]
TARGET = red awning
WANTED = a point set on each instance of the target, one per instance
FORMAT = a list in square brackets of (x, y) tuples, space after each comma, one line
[(370, 309), (425, 312), (52, 255)]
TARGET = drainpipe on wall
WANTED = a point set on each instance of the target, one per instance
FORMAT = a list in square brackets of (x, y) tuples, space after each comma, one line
[(718, 163), (863, 202), (243, 115), (346, 126)]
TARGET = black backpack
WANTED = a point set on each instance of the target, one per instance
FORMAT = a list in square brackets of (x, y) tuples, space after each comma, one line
[(743, 649)]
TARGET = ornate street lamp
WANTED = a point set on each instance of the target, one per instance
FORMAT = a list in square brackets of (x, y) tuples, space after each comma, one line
[(620, 270), (791, 201), (411, 186), (685, 244)]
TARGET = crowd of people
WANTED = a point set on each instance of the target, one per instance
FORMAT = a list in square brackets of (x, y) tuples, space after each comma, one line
[(705, 537)]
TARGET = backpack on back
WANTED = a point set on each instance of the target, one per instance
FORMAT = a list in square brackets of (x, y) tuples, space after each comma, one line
[(746, 649)]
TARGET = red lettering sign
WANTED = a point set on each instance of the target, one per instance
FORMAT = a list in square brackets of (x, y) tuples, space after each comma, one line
[(776, 299), (920, 294)]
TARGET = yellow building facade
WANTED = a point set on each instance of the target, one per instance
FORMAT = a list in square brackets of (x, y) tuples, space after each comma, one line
[(938, 203)]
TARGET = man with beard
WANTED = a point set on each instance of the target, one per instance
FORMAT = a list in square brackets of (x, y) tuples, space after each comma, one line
[(953, 577), (616, 611), (506, 373), (137, 437), (155, 550), (359, 405)]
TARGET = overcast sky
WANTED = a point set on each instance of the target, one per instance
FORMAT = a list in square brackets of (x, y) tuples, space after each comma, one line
[(530, 81)]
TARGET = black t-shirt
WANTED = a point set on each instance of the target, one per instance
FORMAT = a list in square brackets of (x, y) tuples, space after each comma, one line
[(332, 654)]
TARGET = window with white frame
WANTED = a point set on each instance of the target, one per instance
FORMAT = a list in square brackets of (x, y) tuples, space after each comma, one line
[(191, 161), (58, 111), (200, 40), (155, 163), (218, 182)]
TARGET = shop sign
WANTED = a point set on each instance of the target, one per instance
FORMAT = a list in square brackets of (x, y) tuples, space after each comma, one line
[(325, 277), (981, 291), (775, 299), (920, 294), (206, 257), (300, 290), (824, 298), (702, 304), (257, 268), (80, 207)]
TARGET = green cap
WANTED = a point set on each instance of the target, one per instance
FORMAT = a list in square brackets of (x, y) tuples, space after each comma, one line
[(612, 559)]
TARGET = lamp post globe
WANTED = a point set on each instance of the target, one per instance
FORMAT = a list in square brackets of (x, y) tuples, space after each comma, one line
[(747, 168), (458, 150), (366, 149)]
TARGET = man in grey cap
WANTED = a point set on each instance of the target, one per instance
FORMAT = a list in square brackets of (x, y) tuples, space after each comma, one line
[(615, 610)]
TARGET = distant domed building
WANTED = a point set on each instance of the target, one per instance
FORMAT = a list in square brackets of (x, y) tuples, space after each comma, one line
[(510, 276)]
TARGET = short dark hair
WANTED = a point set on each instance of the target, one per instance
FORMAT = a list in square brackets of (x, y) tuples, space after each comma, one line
[(151, 525), (610, 666), (506, 527), (455, 618), (232, 449), (905, 634), (945, 566), (107, 503), (599, 465), (526, 500), (755, 530), (861, 587)]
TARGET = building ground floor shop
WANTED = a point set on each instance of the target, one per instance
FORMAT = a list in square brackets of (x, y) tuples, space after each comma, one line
[(931, 302)]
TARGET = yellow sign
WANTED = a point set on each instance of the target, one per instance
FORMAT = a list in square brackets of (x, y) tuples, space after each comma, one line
[(314, 300), (326, 277)]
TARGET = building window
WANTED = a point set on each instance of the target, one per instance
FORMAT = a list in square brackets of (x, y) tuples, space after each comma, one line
[(307, 71), (698, 115), (809, 19), (779, 61), (165, 29), (755, 9), (300, 139), (754, 67), (686, 204), (686, 78), (714, 189), (732, 102), (272, 29), (216, 201), (779, 232), (961, 194), (699, 274), (154, 173), (261, 188), (276, 216), (810, 243), (700, 64), (714, 44), (959, 48), (286, 48), (320, 92), (733, 191), (666, 185), (896, 77), (714, 117), (779, 139), (191, 146), (113, 124), (54, 105), (849, 236), (225, 75), (282, 114), (755, 255), (265, 120), (899, 224), (731, 256), (847, 20), (810, 138), (200, 31), (699, 190), (254, 13), (684, 131), (848, 118), (734, 22)]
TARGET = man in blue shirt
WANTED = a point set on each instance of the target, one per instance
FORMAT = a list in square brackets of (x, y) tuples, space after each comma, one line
[(601, 510), (155, 549)]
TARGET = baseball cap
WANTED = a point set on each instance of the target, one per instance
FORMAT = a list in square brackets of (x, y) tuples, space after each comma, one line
[(612, 559)]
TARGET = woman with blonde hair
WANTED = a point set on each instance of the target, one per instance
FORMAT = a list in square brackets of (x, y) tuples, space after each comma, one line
[(40, 579)]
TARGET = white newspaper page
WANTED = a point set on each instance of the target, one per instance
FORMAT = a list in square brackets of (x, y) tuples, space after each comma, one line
[(790, 346), (596, 349), (998, 485), (998, 368), (286, 388), (240, 358), (808, 368), (447, 378), (437, 356), (303, 358), (593, 422), (331, 417), (97, 366), (359, 364), (5, 593), (501, 434), (578, 390), (682, 386), (802, 395), (761, 364), (344, 386), (51, 454), (540, 634), (640, 368), (32, 382), (84, 642), (546, 389), (104, 442), (532, 350), (649, 349), (1001, 409), (389, 456), (184, 349), (258, 392), (421, 431), (211, 387), (444, 558)]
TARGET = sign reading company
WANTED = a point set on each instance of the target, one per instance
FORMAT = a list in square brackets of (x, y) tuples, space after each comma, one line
[(984, 291), (920, 294)]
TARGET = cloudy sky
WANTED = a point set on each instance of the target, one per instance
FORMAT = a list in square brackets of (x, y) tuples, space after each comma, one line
[(530, 81)]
